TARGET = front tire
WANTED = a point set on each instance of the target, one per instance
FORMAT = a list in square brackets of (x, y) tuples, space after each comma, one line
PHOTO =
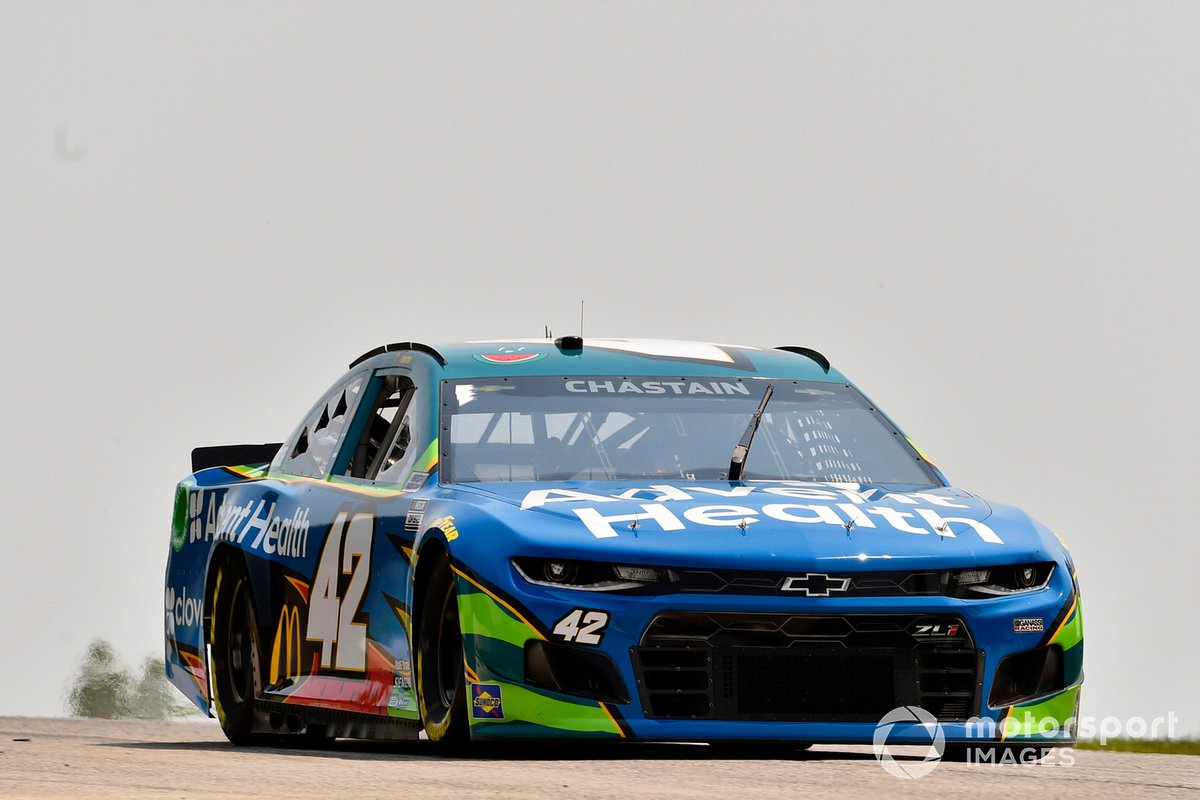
[(441, 682), (234, 639)]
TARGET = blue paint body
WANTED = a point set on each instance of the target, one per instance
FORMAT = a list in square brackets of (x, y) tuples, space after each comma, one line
[(490, 527)]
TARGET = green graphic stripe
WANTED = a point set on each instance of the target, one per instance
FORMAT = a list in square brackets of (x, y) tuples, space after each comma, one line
[(424, 464), (387, 490), (179, 518), (247, 471), (524, 705), (428, 458), (920, 452), (1071, 633), (480, 615), (523, 730), (494, 642), (1044, 719), (410, 712), (494, 659)]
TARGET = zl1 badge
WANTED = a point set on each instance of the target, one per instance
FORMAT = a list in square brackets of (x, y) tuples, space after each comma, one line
[(486, 701)]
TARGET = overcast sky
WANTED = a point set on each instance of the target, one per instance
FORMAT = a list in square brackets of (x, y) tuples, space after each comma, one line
[(987, 215)]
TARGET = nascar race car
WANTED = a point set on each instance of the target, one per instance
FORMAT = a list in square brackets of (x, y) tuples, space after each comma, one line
[(611, 539)]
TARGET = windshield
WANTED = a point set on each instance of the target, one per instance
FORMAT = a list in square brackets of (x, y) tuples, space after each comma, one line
[(602, 428)]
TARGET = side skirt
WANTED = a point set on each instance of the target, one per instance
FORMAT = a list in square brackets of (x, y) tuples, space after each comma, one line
[(287, 718)]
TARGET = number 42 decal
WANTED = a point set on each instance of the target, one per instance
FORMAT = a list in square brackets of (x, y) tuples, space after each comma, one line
[(330, 618), (582, 626)]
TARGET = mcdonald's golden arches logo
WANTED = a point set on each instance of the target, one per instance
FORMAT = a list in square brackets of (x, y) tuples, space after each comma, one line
[(287, 644)]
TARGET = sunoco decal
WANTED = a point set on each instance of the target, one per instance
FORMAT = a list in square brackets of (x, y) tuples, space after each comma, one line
[(486, 701)]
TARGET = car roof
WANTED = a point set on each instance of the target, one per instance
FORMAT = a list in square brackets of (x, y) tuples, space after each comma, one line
[(596, 356)]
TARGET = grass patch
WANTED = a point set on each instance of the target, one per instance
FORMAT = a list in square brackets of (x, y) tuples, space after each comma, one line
[(1178, 747)]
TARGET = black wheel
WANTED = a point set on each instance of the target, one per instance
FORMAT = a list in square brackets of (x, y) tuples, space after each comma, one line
[(236, 673), (441, 684)]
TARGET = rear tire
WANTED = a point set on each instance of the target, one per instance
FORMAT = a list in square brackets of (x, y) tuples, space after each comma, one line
[(236, 674), (441, 681)]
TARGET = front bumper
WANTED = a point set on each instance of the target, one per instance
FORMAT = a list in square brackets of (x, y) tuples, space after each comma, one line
[(500, 619)]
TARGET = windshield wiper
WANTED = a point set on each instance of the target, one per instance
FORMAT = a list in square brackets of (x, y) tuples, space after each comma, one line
[(738, 461)]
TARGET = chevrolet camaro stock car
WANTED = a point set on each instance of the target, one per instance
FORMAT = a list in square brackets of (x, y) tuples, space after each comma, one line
[(610, 539)]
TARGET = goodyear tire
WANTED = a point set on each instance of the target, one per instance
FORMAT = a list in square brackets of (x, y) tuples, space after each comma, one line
[(235, 655), (441, 684)]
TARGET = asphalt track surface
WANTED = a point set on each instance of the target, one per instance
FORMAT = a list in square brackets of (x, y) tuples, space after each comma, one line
[(66, 758)]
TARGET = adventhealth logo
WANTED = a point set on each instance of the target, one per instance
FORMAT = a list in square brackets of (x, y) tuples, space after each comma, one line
[(835, 505)]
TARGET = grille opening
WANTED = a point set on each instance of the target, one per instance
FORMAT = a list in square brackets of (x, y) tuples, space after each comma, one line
[(946, 661), (877, 626), (681, 705), (749, 623), (675, 658), (691, 680), (779, 666), (942, 683), (821, 682), (949, 708), (819, 627)]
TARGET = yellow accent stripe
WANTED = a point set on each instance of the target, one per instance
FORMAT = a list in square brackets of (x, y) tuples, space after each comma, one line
[(247, 472), (620, 730), (510, 609), (1003, 723), (374, 491), (471, 674)]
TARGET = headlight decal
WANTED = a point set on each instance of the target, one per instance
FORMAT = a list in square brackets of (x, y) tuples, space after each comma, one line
[(594, 576), (1001, 581)]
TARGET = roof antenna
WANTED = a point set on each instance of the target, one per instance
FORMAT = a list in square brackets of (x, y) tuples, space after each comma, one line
[(549, 335), (572, 344)]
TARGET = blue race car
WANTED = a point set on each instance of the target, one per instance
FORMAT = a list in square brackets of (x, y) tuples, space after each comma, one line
[(612, 539)]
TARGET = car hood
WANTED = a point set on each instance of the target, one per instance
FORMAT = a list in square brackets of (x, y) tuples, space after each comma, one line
[(759, 525)]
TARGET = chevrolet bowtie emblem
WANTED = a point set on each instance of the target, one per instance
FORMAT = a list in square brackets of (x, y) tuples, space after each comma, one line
[(815, 584)]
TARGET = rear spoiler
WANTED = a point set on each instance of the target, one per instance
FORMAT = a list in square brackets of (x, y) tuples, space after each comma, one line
[(233, 455)]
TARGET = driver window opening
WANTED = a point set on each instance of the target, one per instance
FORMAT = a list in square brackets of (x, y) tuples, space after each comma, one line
[(387, 435)]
